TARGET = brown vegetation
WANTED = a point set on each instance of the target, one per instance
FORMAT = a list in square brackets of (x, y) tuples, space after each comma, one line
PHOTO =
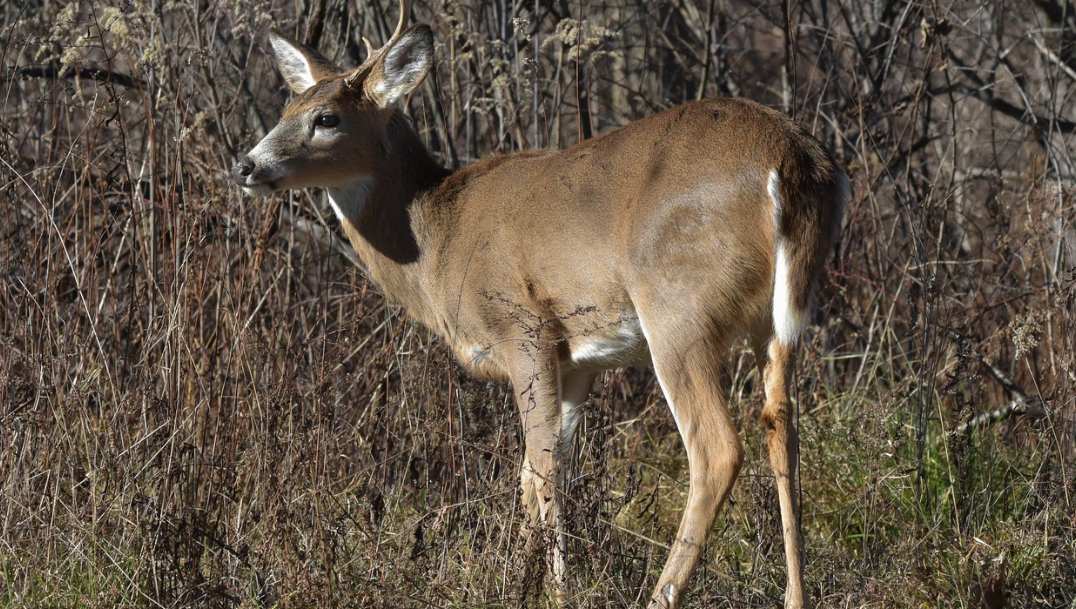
[(204, 403)]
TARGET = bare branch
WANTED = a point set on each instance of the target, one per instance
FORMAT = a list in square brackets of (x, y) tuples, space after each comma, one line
[(96, 74)]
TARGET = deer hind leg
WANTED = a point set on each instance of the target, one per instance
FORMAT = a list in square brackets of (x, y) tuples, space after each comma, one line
[(574, 389), (782, 441), (689, 379)]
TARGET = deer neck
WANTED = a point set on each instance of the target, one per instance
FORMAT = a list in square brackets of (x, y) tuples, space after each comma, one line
[(382, 219)]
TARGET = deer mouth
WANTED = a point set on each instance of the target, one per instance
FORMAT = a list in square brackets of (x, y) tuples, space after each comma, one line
[(257, 181), (253, 179), (259, 188)]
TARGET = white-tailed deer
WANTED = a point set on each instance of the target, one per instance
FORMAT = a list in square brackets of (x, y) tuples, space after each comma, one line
[(660, 243)]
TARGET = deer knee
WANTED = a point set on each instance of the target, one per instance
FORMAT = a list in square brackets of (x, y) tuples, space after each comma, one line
[(733, 457), (775, 416), (723, 462), (529, 492)]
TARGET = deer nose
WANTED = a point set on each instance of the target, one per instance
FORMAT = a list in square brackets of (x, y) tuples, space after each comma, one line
[(243, 167)]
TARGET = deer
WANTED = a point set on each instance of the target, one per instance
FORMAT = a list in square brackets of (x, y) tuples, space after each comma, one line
[(659, 244)]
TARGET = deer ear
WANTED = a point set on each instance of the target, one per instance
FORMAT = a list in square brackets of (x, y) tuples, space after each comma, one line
[(301, 67), (401, 67)]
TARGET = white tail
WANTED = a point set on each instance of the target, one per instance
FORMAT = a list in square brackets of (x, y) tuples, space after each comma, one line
[(788, 320)]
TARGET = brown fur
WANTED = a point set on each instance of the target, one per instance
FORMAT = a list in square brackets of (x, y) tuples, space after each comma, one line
[(521, 262)]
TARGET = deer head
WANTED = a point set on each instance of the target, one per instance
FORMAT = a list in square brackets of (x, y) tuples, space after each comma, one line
[(335, 128)]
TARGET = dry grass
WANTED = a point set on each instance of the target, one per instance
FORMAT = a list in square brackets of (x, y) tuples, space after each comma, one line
[(202, 403)]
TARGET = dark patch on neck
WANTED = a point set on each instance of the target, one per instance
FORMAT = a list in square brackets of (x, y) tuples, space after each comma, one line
[(386, 225), (407, 172), (409, 154)]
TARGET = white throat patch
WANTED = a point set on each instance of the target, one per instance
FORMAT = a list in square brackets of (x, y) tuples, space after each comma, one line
[(349, 201)]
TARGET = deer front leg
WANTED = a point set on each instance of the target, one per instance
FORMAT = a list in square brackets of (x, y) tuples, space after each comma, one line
[(536, 385), (530, 502), (574, 388)]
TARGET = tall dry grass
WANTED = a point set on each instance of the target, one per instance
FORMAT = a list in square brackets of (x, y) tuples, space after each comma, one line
[(203, 402)]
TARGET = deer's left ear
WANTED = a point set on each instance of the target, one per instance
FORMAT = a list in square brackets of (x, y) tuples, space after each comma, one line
[(401, 67)]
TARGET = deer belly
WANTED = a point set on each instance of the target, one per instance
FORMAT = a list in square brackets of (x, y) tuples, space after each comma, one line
[(620, 345)]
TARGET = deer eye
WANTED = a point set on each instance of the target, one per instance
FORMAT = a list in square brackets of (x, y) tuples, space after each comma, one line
[(327, 120)]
